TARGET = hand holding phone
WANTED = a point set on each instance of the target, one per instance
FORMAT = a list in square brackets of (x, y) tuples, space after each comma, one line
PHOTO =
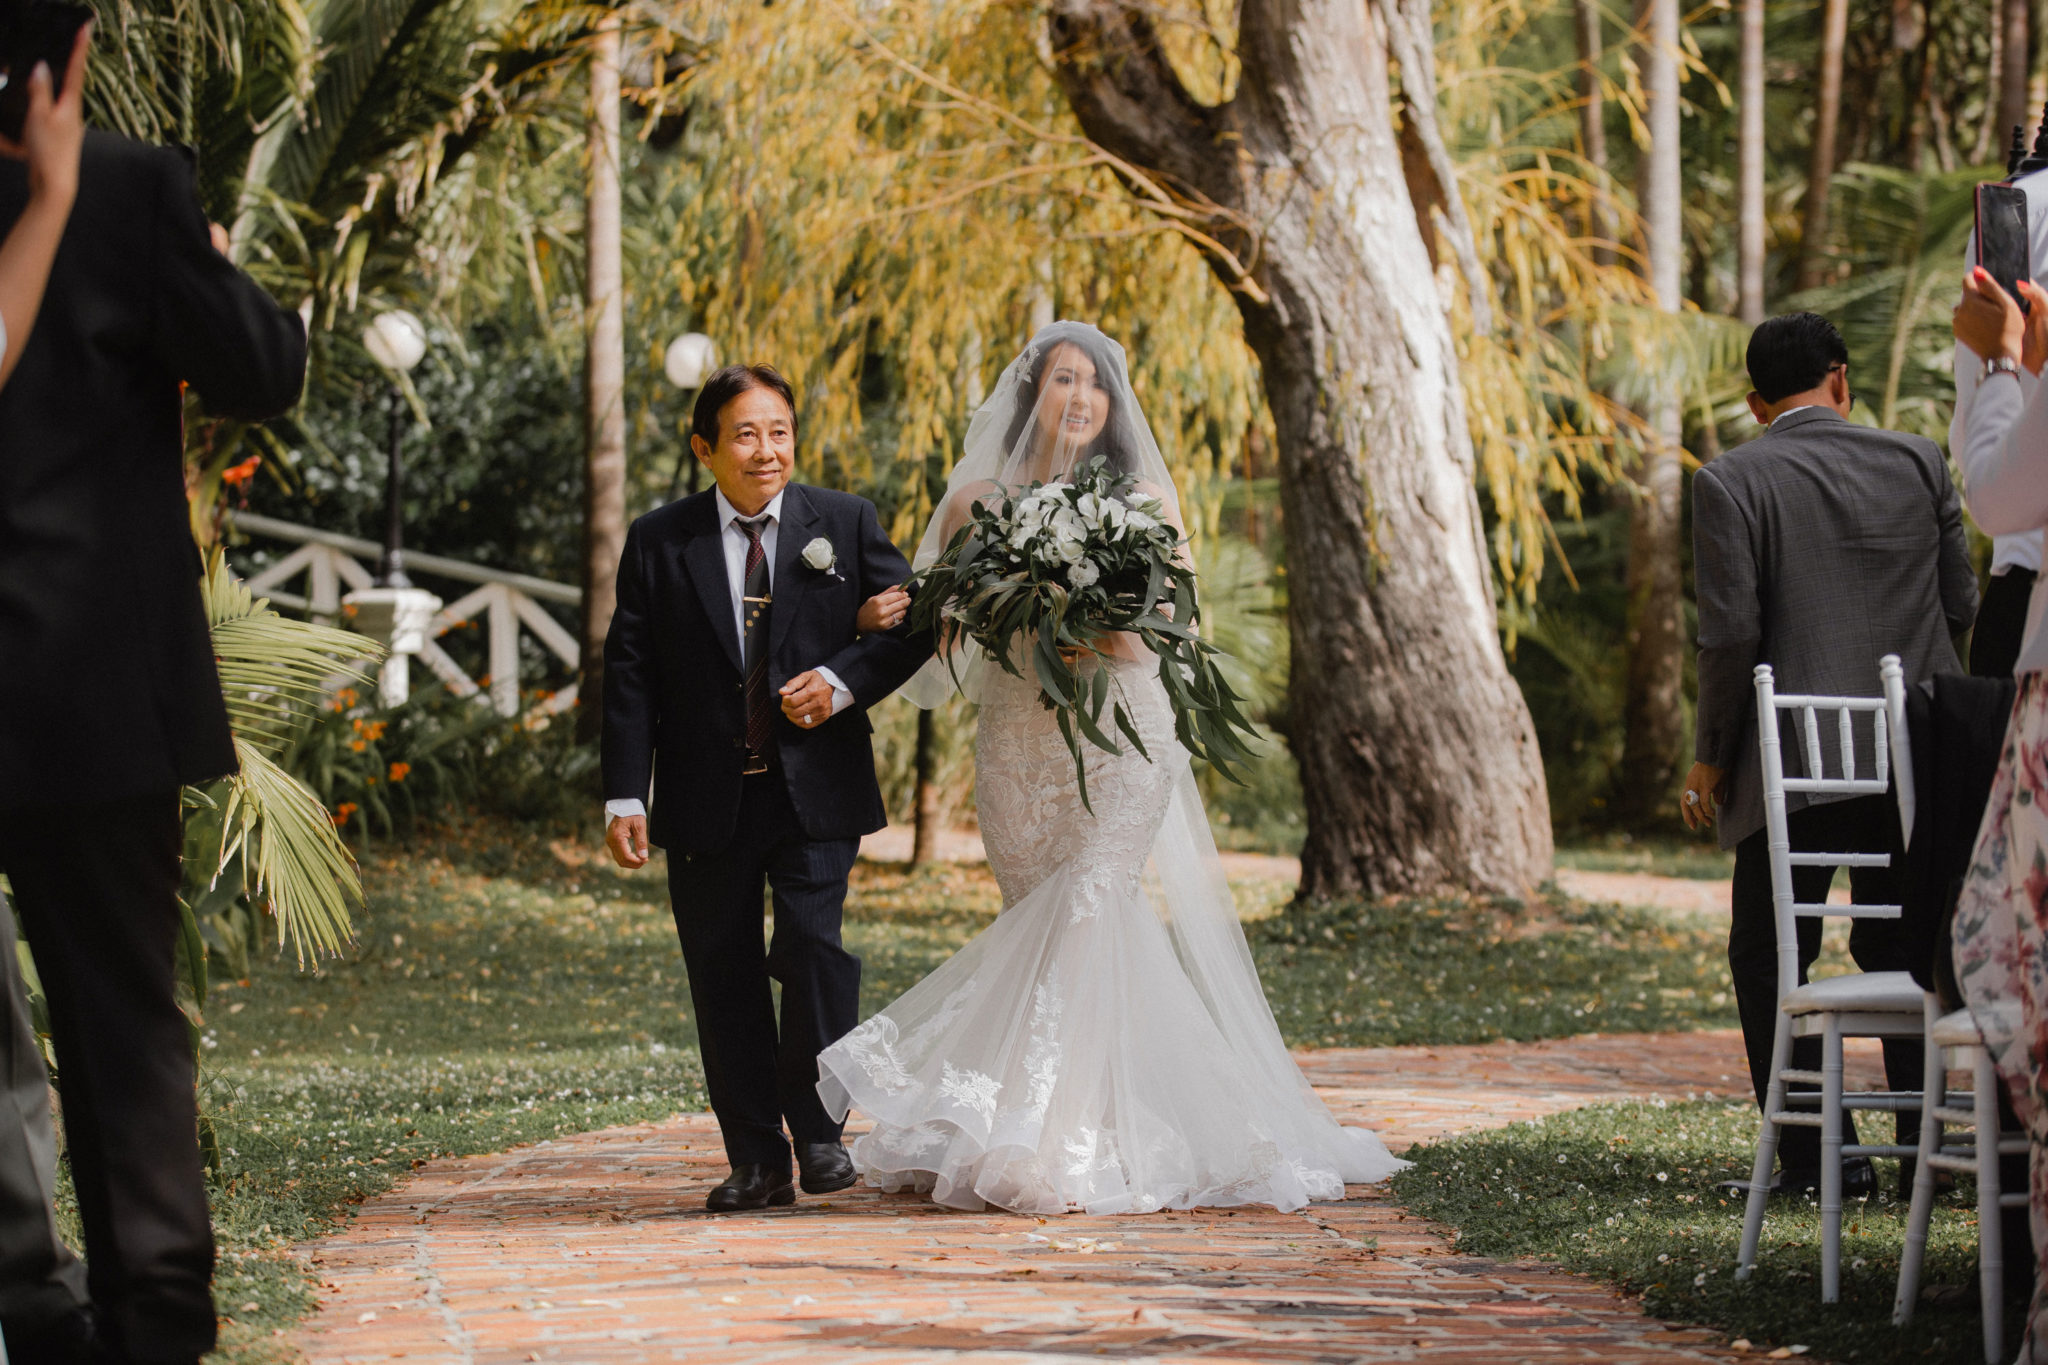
[(1989, 323), (2004, 238)]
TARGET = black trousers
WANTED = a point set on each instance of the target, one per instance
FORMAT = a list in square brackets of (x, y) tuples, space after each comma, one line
[(96, 887), (1863, 824), (2001, 623), (759, 1074)]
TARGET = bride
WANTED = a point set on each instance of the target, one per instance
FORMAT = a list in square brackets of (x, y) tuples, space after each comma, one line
[(1104, 1045)]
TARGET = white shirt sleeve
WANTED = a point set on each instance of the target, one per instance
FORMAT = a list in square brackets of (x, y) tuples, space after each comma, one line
[(2005, 457), (628, 806), (842, 695)]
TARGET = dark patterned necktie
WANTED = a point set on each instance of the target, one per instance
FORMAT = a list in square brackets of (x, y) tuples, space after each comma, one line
[(754, 603)]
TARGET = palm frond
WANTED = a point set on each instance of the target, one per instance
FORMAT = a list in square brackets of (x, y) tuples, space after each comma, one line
[(273, 670), (296, 864), (275, 673), (1908, 238)]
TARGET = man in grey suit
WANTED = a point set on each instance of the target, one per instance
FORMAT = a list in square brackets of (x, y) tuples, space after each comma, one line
[(42, 1285), (1818, 548)]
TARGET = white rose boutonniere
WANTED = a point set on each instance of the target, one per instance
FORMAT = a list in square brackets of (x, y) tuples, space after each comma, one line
[(820, 555)]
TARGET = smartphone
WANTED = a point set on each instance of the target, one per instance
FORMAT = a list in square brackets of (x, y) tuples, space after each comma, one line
[(2003, 236), (43, 31)]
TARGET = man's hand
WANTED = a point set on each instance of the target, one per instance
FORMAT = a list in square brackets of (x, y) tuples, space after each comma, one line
[(221, 241), (1706, 787), (807, 700), (54, 131), (626, 837)]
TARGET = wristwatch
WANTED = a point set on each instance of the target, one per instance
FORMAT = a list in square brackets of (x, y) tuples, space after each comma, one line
[(2001, 364)]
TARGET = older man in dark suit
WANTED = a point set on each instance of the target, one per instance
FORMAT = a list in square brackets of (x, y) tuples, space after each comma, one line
[(1819, 547), (109, 698), (737, 682)]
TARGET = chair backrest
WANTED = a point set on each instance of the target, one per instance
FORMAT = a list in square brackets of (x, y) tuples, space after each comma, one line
[(1894, 678), (1807, 712)]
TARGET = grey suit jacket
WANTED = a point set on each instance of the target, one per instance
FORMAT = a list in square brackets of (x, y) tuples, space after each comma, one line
[(1818, 548)]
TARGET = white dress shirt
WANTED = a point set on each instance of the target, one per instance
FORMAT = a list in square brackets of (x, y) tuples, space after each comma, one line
[(735, 542), (1789, 411), (2022, 551)]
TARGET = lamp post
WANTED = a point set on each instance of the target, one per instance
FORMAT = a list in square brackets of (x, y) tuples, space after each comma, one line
[(688, 362), (396, 341), (392, 609)]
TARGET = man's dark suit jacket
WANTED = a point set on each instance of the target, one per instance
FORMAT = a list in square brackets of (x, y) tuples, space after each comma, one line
[(674, 703), (107, 682), (1818, 548)]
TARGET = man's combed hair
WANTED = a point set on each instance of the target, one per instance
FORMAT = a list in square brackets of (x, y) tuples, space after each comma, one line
[(728, 384), (1792, 354)]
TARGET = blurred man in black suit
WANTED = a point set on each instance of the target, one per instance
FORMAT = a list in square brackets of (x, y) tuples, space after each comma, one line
[(42, 1284), (109, 698)]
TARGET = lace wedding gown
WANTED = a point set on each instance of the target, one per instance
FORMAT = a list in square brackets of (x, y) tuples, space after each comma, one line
[(1105, 1045)]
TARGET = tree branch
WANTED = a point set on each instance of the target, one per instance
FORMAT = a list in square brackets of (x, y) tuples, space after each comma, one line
[(1411, 34)]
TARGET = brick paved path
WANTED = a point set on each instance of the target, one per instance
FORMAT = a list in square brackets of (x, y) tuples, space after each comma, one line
[(597, 1248)]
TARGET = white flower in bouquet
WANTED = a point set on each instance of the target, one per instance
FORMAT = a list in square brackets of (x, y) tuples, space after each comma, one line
[(1084, 575)]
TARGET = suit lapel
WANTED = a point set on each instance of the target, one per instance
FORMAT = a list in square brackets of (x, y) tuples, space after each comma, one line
[(791, 577), (704, 556)]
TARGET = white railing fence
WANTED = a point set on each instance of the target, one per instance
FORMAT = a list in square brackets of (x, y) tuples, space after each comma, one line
[(331, 564)]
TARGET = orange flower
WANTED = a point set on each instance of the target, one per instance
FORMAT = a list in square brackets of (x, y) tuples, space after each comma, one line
[(374, 731), (343, 812), (400, 771), (236, 475), (357, 746)]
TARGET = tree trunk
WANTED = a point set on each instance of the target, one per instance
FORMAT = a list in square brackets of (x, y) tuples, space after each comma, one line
[(1418, 759), (1749, 157), (1826, 121), (1593, 125), (1654, 712), (1254, 446), (604, 373), (1991, 138), (2015, 45), (924, 842)]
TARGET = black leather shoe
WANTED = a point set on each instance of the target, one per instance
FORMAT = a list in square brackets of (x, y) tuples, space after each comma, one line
[(752, 1187), (67, 1340), (1858, 1180), (825, 1167)]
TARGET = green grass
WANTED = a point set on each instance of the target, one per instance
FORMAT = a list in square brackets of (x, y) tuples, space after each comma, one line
[(507, 990), (1699, 858), (1471, 972), (1625, 1193)]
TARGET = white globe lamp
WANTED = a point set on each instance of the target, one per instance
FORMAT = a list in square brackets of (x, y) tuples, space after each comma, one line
[(396, 340), (689, 360)]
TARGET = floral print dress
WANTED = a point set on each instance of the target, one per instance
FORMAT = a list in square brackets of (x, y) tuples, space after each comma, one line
[(2001, 950)]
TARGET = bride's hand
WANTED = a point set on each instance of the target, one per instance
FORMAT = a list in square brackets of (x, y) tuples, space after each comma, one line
[(884, 611)]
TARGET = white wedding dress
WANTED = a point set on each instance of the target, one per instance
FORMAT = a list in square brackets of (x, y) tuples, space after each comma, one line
[(1105, 1045)]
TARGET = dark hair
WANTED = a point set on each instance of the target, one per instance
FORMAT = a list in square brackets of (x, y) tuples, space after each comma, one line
[(1792, 354), (728, 384), (1097, 347)]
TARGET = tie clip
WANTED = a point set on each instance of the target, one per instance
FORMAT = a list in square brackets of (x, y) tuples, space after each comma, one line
[(764, 601)]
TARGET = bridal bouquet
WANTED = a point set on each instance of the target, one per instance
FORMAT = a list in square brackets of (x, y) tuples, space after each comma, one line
[(1061, 567)]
